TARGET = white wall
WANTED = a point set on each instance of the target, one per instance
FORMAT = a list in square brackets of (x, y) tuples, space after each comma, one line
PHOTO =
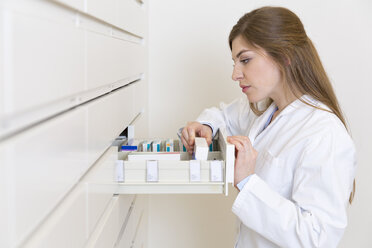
[(190, 67)]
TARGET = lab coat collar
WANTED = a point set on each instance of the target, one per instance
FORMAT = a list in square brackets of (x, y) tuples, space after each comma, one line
[(261, 120)]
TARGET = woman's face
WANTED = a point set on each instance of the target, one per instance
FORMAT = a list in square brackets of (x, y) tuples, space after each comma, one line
[(258, 75)]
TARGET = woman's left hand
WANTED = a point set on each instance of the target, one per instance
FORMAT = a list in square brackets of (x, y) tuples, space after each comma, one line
[(245, 157)]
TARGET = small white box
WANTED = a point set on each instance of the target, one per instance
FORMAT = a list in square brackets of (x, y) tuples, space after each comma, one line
[(194, 171), (152, 171), (201, 149), (216, 171)]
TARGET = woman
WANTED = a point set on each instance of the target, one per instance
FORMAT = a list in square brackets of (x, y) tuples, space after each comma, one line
[(295, 161)]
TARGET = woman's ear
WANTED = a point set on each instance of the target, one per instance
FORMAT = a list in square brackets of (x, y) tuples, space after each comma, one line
[(287, 61)]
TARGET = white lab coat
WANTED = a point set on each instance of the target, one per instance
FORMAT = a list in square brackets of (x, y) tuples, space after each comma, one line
[(298, 196)]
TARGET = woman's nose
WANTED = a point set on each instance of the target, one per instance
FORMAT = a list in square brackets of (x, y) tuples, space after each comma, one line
[(237, 74)]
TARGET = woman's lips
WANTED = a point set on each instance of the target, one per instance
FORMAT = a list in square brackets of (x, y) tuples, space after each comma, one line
[(245, 87)]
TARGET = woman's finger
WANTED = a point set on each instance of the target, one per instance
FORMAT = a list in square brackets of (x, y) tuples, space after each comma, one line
[(184, 142), (236, 142), (191, 135), (185, 136)]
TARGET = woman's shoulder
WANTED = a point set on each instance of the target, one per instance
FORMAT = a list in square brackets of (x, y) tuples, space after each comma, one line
[(322, 122)]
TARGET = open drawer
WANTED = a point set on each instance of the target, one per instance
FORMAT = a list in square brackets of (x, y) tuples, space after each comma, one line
[(173, 177)]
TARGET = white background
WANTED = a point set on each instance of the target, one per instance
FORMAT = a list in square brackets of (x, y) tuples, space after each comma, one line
[(190, 69)]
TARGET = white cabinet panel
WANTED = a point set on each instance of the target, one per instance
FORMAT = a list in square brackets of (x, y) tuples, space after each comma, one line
[(128, 58), (107, 118), (99, 193), (140, 240), (41, 165), (134, 220), (66, 226), (110, 59), (140, 96), (103, 10), (45, 56), (128, 15), (76, 4), (112, 221), (131, 16)]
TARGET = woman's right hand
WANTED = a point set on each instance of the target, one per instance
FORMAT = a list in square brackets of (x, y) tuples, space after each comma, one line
[(192, 130)]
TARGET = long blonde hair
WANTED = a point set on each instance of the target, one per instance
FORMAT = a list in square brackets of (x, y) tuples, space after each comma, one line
[(282, 35)]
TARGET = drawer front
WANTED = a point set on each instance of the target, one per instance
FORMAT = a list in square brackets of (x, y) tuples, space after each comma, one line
[(107, 230), (110, 60), (131, 16), (107, 118), (128, 15), (66, 225), (76, 4), (44, 55), (99, 193), (135, 218), (140, 239), (103, 10), (41, 165)]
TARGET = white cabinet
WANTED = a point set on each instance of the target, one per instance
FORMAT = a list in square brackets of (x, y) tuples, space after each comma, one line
[(73, 78), (67, 90)]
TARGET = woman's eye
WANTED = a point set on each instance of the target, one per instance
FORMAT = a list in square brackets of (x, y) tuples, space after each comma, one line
[(245, 61)]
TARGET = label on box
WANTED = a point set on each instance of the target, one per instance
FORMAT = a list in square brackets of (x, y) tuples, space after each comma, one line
[(194, 171), (216, 171), (119, 170), (152, 171)]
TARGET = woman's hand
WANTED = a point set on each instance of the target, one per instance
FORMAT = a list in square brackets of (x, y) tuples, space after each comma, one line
[(245, 157), (192, 130)]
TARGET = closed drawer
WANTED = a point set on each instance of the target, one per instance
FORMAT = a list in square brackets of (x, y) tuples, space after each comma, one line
[(136, 217), (41, 165), (131, 16), (107, 231), (107, 118), (110, 60), (128, 15), (98, 193), (103, 10), (76, 4), (44, 55), (140, 239), (65, 227)]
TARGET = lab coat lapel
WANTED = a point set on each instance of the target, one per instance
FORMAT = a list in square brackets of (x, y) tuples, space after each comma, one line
[(259, 123)]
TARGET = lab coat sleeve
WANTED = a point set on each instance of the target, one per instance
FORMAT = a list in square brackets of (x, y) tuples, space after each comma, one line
[(315, 216), (235, 117)]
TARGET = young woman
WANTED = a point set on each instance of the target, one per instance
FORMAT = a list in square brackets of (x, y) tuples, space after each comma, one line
[(295, 161)]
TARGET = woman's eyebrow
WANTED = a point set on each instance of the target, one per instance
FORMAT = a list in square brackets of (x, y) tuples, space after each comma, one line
[(240, 53)]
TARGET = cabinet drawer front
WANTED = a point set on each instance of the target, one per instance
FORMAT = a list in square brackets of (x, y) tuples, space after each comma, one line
[(103, 10), (140, 239), (131, 16), (76, 4), (44, 58), (41, 165), (99, 193), (110, 60), (128, 15), (66, 226), (134, 220), (107, 118), (107, 230)]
